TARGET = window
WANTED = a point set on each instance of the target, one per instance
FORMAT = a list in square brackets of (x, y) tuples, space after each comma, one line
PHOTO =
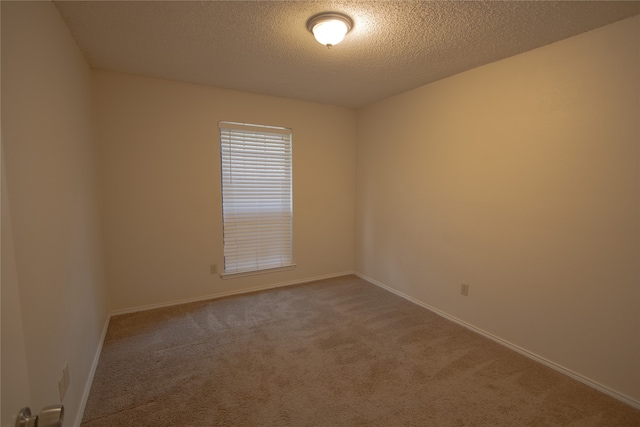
[(257, 209)]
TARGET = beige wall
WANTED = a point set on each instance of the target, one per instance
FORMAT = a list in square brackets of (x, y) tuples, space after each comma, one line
[(160, 178), (519, 178), (51, 193)]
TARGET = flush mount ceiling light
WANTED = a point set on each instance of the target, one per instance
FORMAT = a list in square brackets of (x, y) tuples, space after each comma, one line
[(329, 28)]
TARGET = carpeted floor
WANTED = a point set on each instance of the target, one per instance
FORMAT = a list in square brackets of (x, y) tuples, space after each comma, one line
[(337, 352)]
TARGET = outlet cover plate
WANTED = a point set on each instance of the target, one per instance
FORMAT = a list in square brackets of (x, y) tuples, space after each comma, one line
[(464, 289)]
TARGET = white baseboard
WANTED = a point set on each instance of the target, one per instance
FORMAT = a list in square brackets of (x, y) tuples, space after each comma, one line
[(623, 398), (227, 294), (92, 373), (591, 383)]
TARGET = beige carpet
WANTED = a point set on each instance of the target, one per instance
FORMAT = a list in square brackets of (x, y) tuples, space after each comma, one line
[(337, 352)]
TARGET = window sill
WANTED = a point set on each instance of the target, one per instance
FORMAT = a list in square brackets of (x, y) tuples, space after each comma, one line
[(256, 272)]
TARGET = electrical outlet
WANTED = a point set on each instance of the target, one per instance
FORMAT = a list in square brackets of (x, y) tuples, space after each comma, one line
[(464, 289), (214, 268), (65, 380), (62, 388), (65, 374)]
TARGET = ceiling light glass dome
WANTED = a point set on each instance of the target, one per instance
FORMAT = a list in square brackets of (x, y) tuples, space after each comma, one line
[(329, 28)]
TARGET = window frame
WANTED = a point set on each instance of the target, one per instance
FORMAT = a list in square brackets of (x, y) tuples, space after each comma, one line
[(270, 214)]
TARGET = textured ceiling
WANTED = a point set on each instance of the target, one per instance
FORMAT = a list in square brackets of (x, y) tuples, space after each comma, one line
[(264, 46)]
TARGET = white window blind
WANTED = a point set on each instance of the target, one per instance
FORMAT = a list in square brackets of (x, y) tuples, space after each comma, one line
[(256, 197)]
